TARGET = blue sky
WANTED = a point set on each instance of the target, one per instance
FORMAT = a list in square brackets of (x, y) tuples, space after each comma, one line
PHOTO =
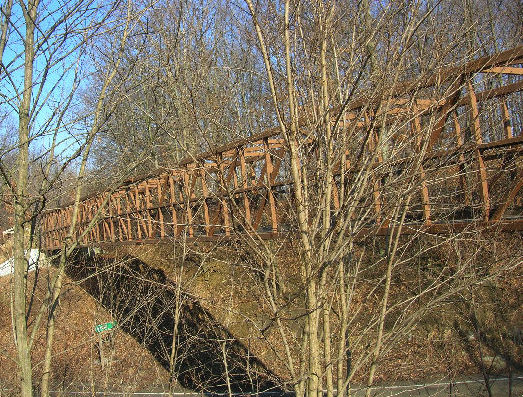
[(56, 63)]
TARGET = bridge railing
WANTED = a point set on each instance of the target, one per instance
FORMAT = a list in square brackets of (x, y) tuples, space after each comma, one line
[(463, 125)]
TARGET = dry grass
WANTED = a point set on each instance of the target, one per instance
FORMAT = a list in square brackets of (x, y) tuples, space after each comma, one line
[(76, 361)]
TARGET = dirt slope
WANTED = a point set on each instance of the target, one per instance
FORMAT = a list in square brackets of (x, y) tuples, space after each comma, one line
[(77, 364)]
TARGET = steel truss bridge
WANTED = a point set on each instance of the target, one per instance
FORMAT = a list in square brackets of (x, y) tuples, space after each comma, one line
[(466, 120)]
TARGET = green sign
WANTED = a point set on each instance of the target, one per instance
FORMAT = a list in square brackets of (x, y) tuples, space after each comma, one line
[(104, 327)]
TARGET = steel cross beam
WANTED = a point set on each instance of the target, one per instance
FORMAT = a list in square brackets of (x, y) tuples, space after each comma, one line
[(470, 175)]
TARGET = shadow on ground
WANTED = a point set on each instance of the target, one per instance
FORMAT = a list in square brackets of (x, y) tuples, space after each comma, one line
[(143, 301)]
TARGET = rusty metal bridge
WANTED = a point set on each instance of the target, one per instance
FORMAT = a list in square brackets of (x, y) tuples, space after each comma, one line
[(466, 120)]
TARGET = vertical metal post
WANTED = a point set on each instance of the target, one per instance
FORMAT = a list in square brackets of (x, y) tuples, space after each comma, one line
[(270, 178), (475, 126)]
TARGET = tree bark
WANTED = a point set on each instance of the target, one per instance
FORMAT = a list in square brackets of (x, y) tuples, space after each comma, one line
[(20, 207)]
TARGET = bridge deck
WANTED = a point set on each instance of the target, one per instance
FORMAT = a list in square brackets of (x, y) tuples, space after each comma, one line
[(466, 121)]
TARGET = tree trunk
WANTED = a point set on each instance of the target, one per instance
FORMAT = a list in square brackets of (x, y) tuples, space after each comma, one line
[(20, 207), (57, 288)]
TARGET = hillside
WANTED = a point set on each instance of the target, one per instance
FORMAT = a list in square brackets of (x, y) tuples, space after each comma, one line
[(446, 342), (223, 300), (76, 363)]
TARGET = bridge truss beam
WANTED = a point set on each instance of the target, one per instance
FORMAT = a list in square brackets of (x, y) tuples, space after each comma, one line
[(465, 122)]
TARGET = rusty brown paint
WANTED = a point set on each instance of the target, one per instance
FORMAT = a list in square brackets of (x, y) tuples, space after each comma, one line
[(146, 197)]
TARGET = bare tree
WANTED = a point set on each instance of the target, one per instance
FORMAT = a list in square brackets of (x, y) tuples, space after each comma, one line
[(376, 167), (51, 41), (334, 100)]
